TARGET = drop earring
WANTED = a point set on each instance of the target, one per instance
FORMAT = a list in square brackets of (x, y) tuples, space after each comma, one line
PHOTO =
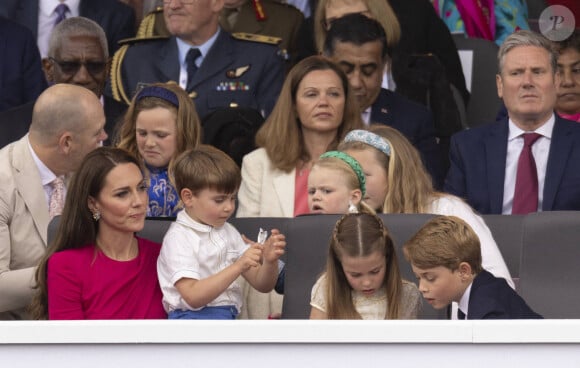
[(96, 215)]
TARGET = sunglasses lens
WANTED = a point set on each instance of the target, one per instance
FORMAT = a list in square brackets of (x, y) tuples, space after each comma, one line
[(95, 68), (69, 67)]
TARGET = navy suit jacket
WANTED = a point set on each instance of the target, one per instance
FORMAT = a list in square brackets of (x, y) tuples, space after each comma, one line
[(14, 123), (492, 298), (116, 18), (416, 123), (21, 75), (478, 158), (249, 74)]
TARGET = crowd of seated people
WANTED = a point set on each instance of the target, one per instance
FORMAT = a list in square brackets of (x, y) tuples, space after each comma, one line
[(337, 138)]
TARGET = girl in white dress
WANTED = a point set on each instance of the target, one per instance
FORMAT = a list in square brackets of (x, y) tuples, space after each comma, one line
[(362, 279)]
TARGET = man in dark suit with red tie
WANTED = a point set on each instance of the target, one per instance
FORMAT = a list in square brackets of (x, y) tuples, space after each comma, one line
[(501, 168)]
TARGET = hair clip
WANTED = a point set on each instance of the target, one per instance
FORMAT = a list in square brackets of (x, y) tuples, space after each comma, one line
[(369, 138)]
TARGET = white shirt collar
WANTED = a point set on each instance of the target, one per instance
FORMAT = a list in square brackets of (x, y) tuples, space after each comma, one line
[(184, 219), (464, 302), (46, 175), (47, 7), (545, 130), (366, 115), (183, 47)]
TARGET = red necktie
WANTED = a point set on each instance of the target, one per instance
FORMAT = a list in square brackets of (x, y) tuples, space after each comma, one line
[(526, 190)]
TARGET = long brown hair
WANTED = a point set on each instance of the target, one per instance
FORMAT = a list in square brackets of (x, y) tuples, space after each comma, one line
[(77, 228), (359, 235), (281, 134)]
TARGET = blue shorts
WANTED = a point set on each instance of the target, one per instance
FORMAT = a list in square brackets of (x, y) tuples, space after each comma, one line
[(220, 312)]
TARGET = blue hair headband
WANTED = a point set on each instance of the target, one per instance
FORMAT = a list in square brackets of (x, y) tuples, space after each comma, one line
[(159, 92), (369, 138), (354, 164)]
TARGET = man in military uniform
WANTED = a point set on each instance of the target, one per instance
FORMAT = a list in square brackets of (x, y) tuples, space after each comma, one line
[(215, 68), (265, 17)]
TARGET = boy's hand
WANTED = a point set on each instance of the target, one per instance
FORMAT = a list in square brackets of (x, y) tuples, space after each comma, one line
[(274, 246), (251, 257)]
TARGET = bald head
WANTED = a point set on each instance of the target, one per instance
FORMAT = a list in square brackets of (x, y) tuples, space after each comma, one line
[(62, 107), (67, 123)]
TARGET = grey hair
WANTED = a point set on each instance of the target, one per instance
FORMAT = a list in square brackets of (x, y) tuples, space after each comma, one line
[(526, 38), (76, 26)]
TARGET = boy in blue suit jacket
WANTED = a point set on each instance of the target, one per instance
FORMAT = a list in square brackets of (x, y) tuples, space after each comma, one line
[(445, 255)]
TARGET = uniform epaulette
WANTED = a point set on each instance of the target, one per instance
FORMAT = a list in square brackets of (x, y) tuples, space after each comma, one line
[(257, 38), (134, 40), (116, 81)]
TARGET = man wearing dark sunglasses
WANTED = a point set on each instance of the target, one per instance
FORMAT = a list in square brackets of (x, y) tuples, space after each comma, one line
[(78, 54)]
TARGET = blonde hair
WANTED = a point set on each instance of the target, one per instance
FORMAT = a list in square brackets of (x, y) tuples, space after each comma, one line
[(281, 134), (188, 125), (410, 188), (380, 10), (360, 235), (351, 178), (444, 241)]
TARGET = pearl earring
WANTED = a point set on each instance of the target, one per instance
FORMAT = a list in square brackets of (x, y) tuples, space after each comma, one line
[(352, 208)]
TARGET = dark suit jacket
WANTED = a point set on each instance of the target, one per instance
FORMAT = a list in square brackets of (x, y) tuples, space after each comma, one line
[(116, 18), (415, 122), (259, 66), (423, 32), (21, 76), (14, 123), (492, 298), (477, 171)]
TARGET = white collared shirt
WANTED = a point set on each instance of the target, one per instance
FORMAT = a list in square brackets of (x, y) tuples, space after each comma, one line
[(540, 151), (46, 18), (366, 115), (46, 175), (196, 251), (183, 48), (464, 301)]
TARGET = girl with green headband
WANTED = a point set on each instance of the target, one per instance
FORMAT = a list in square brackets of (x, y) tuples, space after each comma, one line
[(336, 185)]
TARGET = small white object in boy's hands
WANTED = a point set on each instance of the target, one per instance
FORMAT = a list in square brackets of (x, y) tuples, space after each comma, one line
[(262, 236)]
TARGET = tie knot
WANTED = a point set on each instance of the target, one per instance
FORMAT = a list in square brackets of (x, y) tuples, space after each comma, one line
[(530, 138), (61, 9), (192, 55), (58, 182)]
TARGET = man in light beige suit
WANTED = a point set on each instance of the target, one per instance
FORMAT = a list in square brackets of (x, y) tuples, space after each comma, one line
[(67, 123)]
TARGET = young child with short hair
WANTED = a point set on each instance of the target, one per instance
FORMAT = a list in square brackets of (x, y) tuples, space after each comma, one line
[(202, 255), (445, 256), (362, 278)]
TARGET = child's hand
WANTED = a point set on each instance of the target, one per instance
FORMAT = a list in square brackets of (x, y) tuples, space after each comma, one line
[(274, 246), (251, 258)]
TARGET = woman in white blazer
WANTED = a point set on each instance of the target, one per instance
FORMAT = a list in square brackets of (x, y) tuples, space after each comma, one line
[(314, 111)]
